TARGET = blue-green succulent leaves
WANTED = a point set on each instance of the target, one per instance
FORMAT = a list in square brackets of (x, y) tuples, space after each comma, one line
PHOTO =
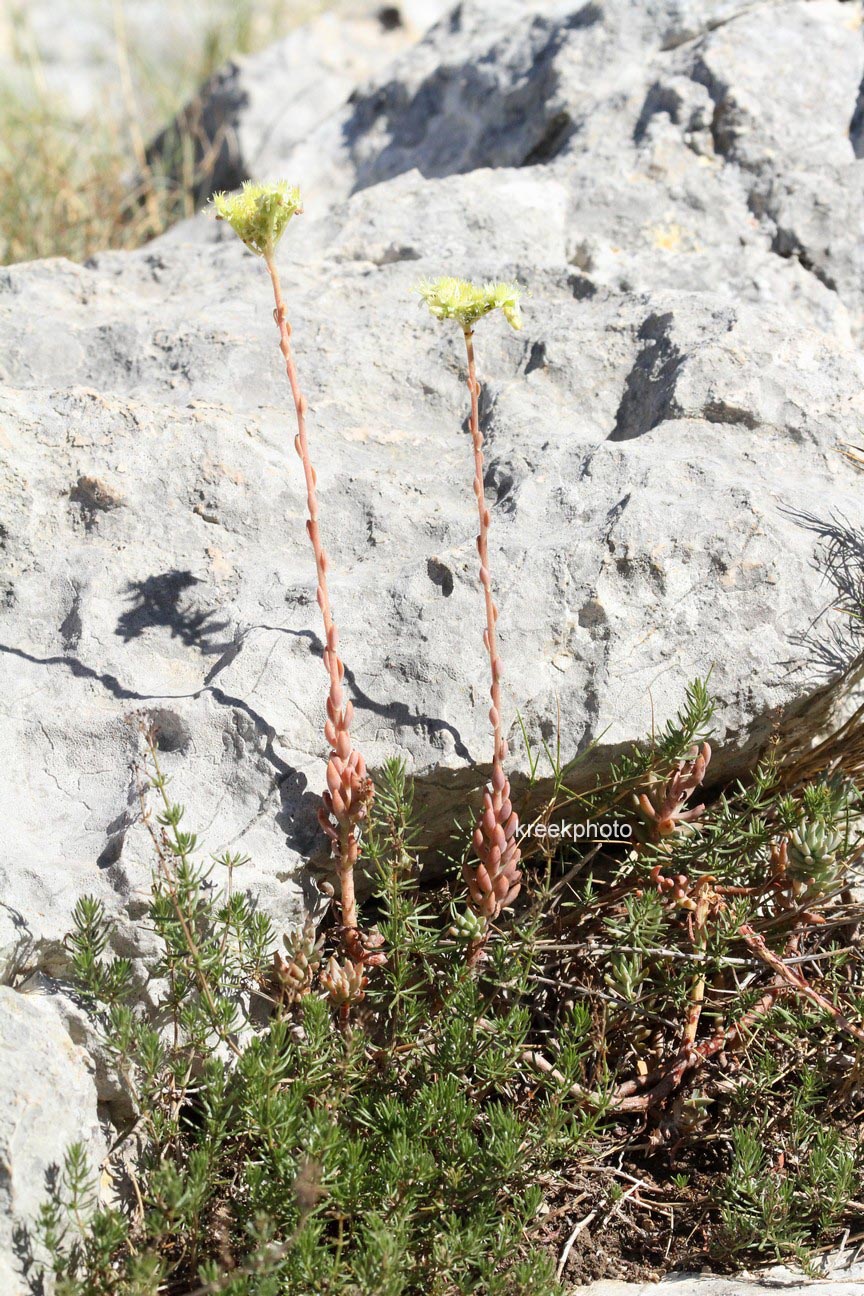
[(466, 302), (259, 213)]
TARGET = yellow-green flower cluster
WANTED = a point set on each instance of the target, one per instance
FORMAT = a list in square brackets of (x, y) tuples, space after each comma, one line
[(466, 302), (259, 213)]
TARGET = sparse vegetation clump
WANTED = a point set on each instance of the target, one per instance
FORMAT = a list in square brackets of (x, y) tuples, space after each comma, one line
[(663, 1025), (290, 1148), (70, 199)]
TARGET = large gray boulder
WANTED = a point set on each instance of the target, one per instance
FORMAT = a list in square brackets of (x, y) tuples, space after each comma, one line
[(256, 106), (665, 439)]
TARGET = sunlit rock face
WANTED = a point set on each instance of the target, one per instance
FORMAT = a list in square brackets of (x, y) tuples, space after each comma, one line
[(677, 186)]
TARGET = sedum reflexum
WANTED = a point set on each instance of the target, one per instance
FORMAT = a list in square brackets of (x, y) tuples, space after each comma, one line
[(259, 215), (494, 880)]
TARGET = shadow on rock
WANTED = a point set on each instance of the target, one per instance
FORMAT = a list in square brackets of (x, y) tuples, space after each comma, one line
[(164, 602)]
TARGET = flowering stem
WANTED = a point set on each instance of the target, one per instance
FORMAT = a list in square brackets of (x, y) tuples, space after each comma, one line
[(489, 636), (349, 790), (346, 876), (494, 880)]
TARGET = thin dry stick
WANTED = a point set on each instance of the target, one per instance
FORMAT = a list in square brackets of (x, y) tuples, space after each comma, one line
[(568, 1245), (495, 880), (589, 1219), (707, 900), (796, 980), (535, 1059), (349, 790)]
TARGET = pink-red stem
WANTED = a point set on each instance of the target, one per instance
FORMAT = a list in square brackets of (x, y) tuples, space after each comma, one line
[(489, 635), (345, 766), (494, 881)]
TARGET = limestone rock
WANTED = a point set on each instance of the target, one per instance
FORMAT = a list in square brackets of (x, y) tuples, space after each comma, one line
[(47, 1102), (650, 457), (659, 435), (676, 188), (272, 101), (835, 1274)]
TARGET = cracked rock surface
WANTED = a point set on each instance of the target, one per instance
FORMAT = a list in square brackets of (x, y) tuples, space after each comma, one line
[(678, 186)]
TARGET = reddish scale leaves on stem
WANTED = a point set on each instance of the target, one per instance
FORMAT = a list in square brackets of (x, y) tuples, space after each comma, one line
[(665, 812), (349, 789), (259, 215), (494, 881)]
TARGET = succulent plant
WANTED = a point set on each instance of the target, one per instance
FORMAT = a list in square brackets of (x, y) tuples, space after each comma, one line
[(344, 983), (293, 976), (812, 853), (663, 806), (259, 215), (494, 880), (466, 925), (691, 1112), (626, 975)]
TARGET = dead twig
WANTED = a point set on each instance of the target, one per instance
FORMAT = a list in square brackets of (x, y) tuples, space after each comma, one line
[(792, 977)]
